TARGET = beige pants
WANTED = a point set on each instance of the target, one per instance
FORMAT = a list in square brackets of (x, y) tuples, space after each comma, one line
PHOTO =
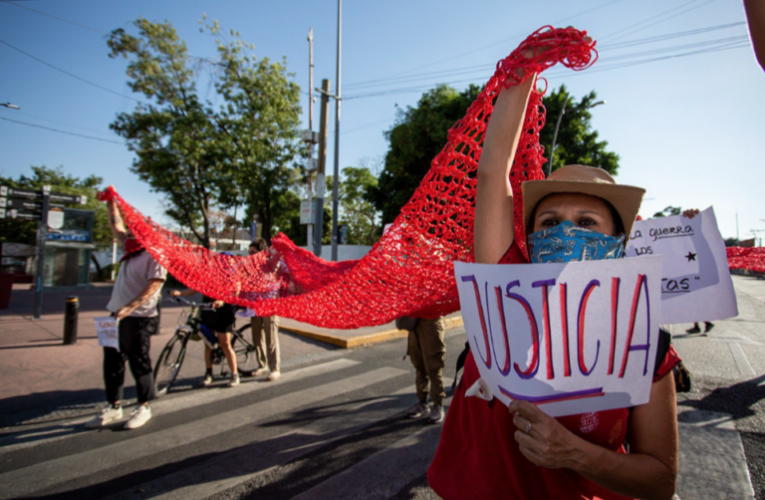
[(427, 352), (265, 338)]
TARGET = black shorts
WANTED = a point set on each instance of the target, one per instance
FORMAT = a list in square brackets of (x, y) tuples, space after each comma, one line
[(220, 320)]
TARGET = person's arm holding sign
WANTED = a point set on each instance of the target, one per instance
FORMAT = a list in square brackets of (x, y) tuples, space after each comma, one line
[(650, 469), (647, 472)]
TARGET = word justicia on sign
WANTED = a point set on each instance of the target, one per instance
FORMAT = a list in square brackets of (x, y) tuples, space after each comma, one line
[(557, 333)]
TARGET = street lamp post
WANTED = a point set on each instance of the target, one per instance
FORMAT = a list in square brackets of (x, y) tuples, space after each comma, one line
[(557, 126)]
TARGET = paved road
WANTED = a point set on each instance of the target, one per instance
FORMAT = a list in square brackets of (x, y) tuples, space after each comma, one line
[(333, 427)]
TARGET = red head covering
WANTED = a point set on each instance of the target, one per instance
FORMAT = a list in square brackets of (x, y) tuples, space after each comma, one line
[(132, 248)]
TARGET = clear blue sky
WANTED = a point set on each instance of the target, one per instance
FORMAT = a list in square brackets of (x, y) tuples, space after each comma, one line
[(688, 129)]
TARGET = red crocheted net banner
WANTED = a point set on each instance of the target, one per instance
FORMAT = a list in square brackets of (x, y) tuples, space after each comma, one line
[(749, 259), (409, 271)]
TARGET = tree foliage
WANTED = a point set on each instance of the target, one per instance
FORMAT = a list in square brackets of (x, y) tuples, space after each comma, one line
[(259, 124), (20, 231), (357, 213), (420, 133), (669, 211), (198, 155), (417, 137), (577, 142)]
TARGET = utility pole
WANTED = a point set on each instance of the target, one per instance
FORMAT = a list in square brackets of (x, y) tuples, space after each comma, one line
[(323, 125), (557, 126), (336, 182), (309, 235)]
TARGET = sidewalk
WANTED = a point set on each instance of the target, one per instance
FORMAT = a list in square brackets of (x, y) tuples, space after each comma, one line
[(44, 379)]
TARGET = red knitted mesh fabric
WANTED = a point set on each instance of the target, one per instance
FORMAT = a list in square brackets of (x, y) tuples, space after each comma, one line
[(750, 259), (409, 271)]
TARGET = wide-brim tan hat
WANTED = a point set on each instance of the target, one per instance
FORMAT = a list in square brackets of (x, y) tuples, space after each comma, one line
[(585, 180)]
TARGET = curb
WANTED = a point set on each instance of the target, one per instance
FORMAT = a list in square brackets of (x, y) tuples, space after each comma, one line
[(362, 340)]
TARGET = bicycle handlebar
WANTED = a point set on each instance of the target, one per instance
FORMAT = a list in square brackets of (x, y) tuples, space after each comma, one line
[(181, 300)]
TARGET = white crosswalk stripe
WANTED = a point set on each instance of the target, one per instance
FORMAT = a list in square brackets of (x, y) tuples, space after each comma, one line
[(240, 466), (50, 473), (331, 430), (169, 405)]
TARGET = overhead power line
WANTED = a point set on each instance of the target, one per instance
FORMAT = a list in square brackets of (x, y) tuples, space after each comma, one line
[(604, 65), (482, 69), (505, 40), (68, 73), (626, 31), (668, 36), (15, 4), (62, 131), (72, 125)]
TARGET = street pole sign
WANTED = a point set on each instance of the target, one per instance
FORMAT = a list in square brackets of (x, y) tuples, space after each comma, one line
[(306, 211), (28, 204)]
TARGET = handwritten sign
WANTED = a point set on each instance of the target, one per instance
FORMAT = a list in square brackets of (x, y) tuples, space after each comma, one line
[(571, 338), (696, 282), (107, 329)]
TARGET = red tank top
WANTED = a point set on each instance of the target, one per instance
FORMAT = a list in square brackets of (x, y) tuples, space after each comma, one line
[(478, 456)]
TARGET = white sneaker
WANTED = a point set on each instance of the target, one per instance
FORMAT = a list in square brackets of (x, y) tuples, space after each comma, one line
[(234, 380), (107, 415), (140, 416), (436, 414), (260, 371), (418, 410), (273, 376), (207, 380)]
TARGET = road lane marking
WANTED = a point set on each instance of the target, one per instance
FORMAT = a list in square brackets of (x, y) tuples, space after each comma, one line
[(25, 481), (740, 358), (383, 474), (167, 405), (239, 467)]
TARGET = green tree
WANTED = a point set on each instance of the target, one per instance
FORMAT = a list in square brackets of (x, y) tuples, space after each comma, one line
[(201, 157), (669, 211), (259, 133), (577, 142), (356, 212), (415, 139), (420, 133), (20, 231)]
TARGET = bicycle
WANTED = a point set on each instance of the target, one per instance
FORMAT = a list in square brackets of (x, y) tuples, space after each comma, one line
[(190, 327)]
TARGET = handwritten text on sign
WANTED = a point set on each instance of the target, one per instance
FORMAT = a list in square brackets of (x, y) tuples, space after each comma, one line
[(571, 338), (696, 284), (107, 330)]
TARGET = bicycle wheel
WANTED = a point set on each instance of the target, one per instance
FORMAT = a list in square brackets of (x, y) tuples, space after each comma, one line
[(246, 360), (169, 364)]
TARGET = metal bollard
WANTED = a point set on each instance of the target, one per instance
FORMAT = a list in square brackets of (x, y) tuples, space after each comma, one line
[(70, 320)]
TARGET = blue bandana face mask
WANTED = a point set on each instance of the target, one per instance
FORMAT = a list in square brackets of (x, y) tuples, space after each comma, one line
[(567, 242)]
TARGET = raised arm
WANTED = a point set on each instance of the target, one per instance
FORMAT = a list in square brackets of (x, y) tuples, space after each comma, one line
[(115, 221), (494, 196), (494, 227), (755, 14)]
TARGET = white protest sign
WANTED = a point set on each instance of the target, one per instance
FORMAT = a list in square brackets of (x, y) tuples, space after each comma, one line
[(696, 282), (107, 330), (570, 338)]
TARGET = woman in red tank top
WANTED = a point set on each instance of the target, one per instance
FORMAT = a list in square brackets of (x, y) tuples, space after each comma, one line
[(489, 451)]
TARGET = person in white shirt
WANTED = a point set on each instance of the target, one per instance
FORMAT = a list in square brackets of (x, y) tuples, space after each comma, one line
[(133, 302)]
